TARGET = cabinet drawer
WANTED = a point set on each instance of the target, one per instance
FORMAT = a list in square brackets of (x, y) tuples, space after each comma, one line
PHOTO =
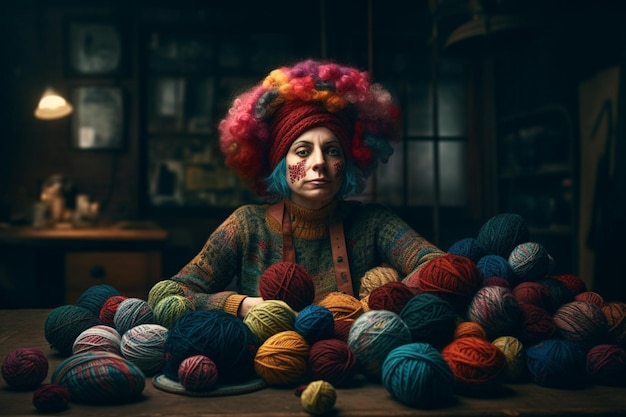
[(131, 273)]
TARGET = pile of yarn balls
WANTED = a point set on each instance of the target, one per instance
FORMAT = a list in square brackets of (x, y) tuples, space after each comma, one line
[(489, 311)]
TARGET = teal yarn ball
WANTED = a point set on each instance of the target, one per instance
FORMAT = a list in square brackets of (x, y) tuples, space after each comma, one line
[(496, 310), (132, 312), (530, 261), (315, 323), (144, 345), (100, 378), (170, 308), (556, 363), (268, 318), (100, 338), (417, 375), (503, 232), (215, 334), (372, 336), (469, 247), (430, 319), (65, 323), (94, 297)]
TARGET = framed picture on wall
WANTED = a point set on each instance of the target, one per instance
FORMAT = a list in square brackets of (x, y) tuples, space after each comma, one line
[(98, 118), (94, 49)]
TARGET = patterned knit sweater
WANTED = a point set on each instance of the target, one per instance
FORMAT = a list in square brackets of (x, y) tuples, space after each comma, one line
[(250, 240)]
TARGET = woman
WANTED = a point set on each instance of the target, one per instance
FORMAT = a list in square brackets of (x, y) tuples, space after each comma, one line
[(306, 137)]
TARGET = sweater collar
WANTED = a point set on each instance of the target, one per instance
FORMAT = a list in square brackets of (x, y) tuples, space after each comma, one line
[(309, 224)]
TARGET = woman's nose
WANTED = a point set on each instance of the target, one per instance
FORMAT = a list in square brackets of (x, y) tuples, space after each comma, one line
[(317, 159)]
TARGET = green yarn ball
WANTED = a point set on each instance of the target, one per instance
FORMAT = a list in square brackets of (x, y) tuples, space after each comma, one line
[(270, 317), (65, 323), (162, 289), (170, 309)]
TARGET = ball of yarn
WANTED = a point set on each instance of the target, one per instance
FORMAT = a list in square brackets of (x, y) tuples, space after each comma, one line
[(417, 375), (391, 296), (494, 281), (343, 306), (132, 312), (365, 303), (144, 345), (318, 397), (163, 289), (582, 323), (496, 310), (99, 338), (270, 317), (197, 373), (24, 368), (559, 293), (282, 359), (615, 313), (429, 319), (503, 232), (452, 277), (216, 334), (574, 282), (469, 329), (556, 363), (65, 323), (606, 365), (529, 261), (94, 297), (342, 329), (477, 364), (100, 378), (535, 293), (333, 361), (536, 324), (107, 312), (372, 336), (469, 247), (51, 398), (170, 308), (515, 356), (377, 277), (315, 323), (288, 282), (496, 266), (590, 297)]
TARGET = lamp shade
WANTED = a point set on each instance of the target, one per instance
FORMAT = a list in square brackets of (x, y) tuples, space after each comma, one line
[(52, 106)]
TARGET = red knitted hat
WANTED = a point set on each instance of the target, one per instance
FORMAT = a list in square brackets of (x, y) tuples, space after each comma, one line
[(294, 118)]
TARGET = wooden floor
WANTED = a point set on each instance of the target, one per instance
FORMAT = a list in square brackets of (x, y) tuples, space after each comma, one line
[(26, 328)]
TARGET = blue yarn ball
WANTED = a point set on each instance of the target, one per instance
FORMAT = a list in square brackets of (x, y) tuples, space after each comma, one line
[(430, 319), (418, 375), (220, 336), (100, 378), (315, 323), (469, 247), (372, 336), (496, 266), (556, 363), (502, 232), (94, 297), (132, 312)]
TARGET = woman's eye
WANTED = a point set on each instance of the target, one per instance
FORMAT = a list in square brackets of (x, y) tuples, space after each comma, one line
[(333, 151), (302, 152)]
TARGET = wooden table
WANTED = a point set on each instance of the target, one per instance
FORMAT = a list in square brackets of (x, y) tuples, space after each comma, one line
[(26, 328)]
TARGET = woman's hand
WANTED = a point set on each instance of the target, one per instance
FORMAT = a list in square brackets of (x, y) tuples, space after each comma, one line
[(246, 305)]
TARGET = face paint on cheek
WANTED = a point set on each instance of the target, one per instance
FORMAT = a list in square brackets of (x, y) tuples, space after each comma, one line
[(296, 172), (339, 169)]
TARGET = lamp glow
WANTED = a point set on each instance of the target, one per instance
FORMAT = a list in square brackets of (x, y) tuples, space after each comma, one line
[(52, 106)]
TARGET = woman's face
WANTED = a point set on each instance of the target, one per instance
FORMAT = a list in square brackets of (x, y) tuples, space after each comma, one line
[(315, 168)]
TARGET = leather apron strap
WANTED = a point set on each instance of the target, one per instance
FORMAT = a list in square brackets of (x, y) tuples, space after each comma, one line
[(337, 243)]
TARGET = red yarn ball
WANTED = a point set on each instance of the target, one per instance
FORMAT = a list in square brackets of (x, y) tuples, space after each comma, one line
[(197, 373), (606, 365), (333, 361), (590, 297), (476, 363), (24, 368), (535, 293), (536, 324), (496, 281), (454, 278), (573, 282), (51, 398), (391, 296), (342, 329), (107, 312), (289, 282)]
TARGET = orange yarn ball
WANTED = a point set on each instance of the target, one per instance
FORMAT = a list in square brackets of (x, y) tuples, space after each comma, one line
[(342, 305), (282, 359), (476, 363), (469, 329), (615, 313)]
